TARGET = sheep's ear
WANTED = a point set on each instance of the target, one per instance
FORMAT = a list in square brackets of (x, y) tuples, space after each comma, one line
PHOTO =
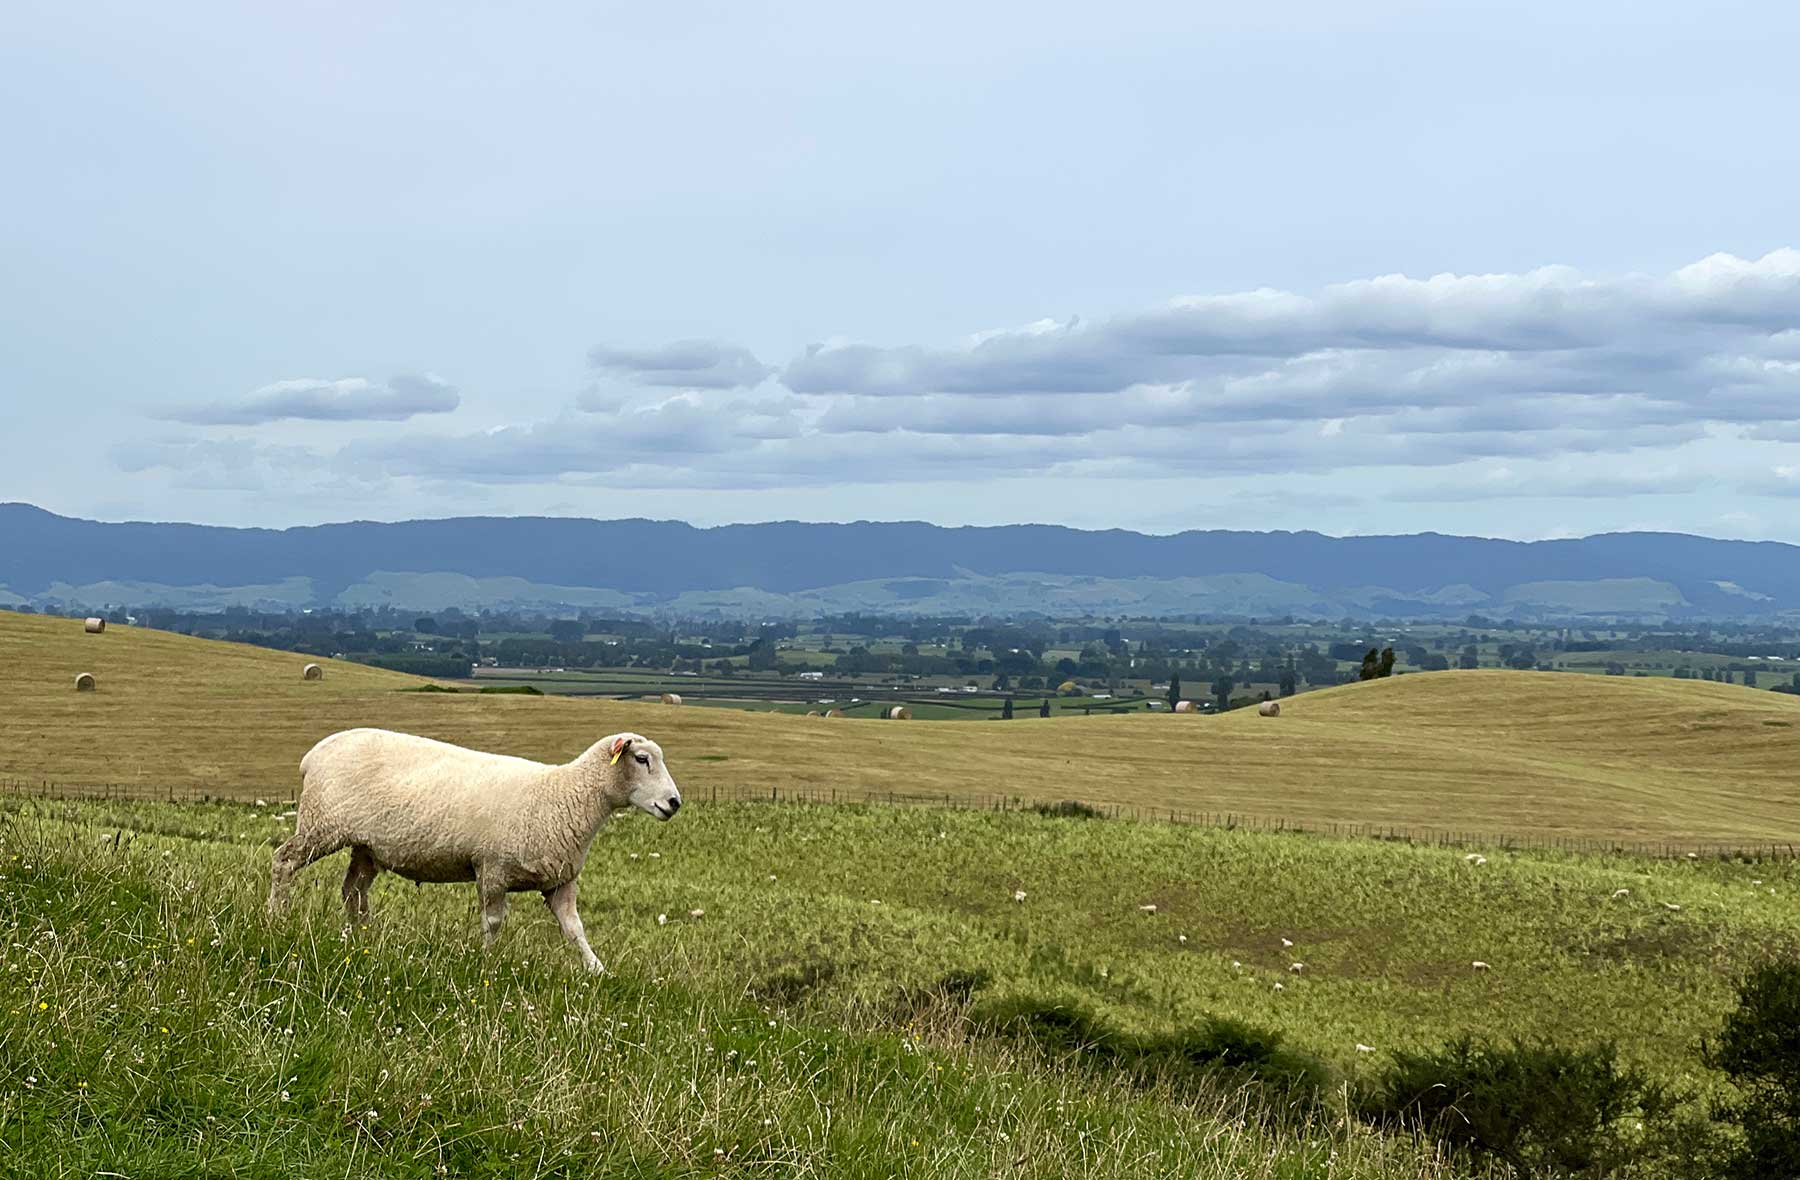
[(620, 745)]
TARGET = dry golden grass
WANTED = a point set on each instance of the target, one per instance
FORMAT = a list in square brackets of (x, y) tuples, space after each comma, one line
[(1517, 753)]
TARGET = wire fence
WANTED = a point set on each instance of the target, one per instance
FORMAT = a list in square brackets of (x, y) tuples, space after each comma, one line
[(1756, 850)]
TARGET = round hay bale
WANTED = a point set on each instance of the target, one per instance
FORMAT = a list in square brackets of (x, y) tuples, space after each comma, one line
[(84, 682), (1067, 687), (671, 698), (94, 626), (312, 672), (1186, 707), (834, 712), (1269, 709), (812, 712), (899, 713)]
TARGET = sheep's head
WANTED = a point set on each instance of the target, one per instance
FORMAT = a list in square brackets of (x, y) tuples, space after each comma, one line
[(639, 776)]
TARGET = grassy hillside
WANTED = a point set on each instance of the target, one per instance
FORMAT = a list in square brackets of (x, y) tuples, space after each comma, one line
[(1527, 754), (816, 1002)]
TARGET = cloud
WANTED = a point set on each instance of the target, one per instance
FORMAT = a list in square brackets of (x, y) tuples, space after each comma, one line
[(348, 399), (1543, 313), (683, 430), (683, 364)]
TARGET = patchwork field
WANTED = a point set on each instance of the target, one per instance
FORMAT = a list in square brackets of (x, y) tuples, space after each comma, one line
[(1533, 755)]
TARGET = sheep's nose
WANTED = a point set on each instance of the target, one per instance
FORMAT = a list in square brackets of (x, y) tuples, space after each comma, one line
[(674, 804)]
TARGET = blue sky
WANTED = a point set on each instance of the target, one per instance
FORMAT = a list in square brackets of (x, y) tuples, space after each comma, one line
[(1520, 270)]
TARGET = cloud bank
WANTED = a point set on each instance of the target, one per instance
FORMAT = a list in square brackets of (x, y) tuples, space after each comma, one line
[(1547, 383)]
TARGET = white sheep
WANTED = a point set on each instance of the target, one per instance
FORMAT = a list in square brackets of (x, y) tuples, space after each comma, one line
[(431, 811)]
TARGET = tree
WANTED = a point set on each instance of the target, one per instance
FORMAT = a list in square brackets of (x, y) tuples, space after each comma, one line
[(425, 626), (567, 630), (1759, 1049), (1287, 683), (1006, 713), (1044, 709), (1371, 665), (1222, 692), (1470, 657), (1174, 688), (1749, 677), (1387, 662)]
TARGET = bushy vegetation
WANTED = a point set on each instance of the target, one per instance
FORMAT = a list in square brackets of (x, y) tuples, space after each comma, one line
[(1541, 1108), (1201, 1052), (1759, 1049)]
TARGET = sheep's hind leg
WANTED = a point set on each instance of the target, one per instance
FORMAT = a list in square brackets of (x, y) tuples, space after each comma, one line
[(357, 878), (300, 851), (493, 909), (561, 901)]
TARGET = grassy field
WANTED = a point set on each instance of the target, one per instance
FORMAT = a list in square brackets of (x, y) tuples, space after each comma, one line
[(1526, 754), (801, 991)]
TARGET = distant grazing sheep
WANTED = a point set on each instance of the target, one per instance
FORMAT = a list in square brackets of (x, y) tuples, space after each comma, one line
[(1186, 707), (312, 672), (1269, 709), (671, 698), (84, 682), (431, 811), (899, 713), (94, 626)]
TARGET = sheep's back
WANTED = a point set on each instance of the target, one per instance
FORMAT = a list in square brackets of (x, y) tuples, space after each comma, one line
[(412, 800)]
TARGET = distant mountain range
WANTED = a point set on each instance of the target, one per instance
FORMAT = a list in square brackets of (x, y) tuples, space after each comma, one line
[(789, 569)]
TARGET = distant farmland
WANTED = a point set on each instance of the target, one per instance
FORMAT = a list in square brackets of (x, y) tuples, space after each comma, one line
[(1499, 753)]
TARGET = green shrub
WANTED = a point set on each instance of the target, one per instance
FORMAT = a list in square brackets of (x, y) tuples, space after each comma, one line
[(1543, 1109), (1217, 1046), (794, 979), (524, 690), (1759, 1049), (1069, 809)]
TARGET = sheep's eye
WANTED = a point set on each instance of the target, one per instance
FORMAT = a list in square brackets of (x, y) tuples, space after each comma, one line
[(643, 759)]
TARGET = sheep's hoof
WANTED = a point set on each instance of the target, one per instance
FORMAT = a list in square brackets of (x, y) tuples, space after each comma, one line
[(595, 967)]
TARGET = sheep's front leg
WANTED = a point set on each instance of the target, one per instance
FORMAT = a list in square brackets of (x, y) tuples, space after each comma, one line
[(561, 901)]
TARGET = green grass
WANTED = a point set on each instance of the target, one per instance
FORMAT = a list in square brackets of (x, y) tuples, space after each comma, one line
[(801, 1024), (154, 1023)]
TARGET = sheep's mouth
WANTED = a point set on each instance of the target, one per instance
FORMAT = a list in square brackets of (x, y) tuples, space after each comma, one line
[(662, 811)]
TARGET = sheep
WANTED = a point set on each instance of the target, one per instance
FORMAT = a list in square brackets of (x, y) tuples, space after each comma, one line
[(431, 811)]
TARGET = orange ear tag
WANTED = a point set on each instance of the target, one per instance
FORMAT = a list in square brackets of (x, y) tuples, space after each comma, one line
[(618, 752)]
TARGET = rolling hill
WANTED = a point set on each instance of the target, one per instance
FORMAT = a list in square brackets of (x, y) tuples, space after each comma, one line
[(789, 569), (1498, 753)]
